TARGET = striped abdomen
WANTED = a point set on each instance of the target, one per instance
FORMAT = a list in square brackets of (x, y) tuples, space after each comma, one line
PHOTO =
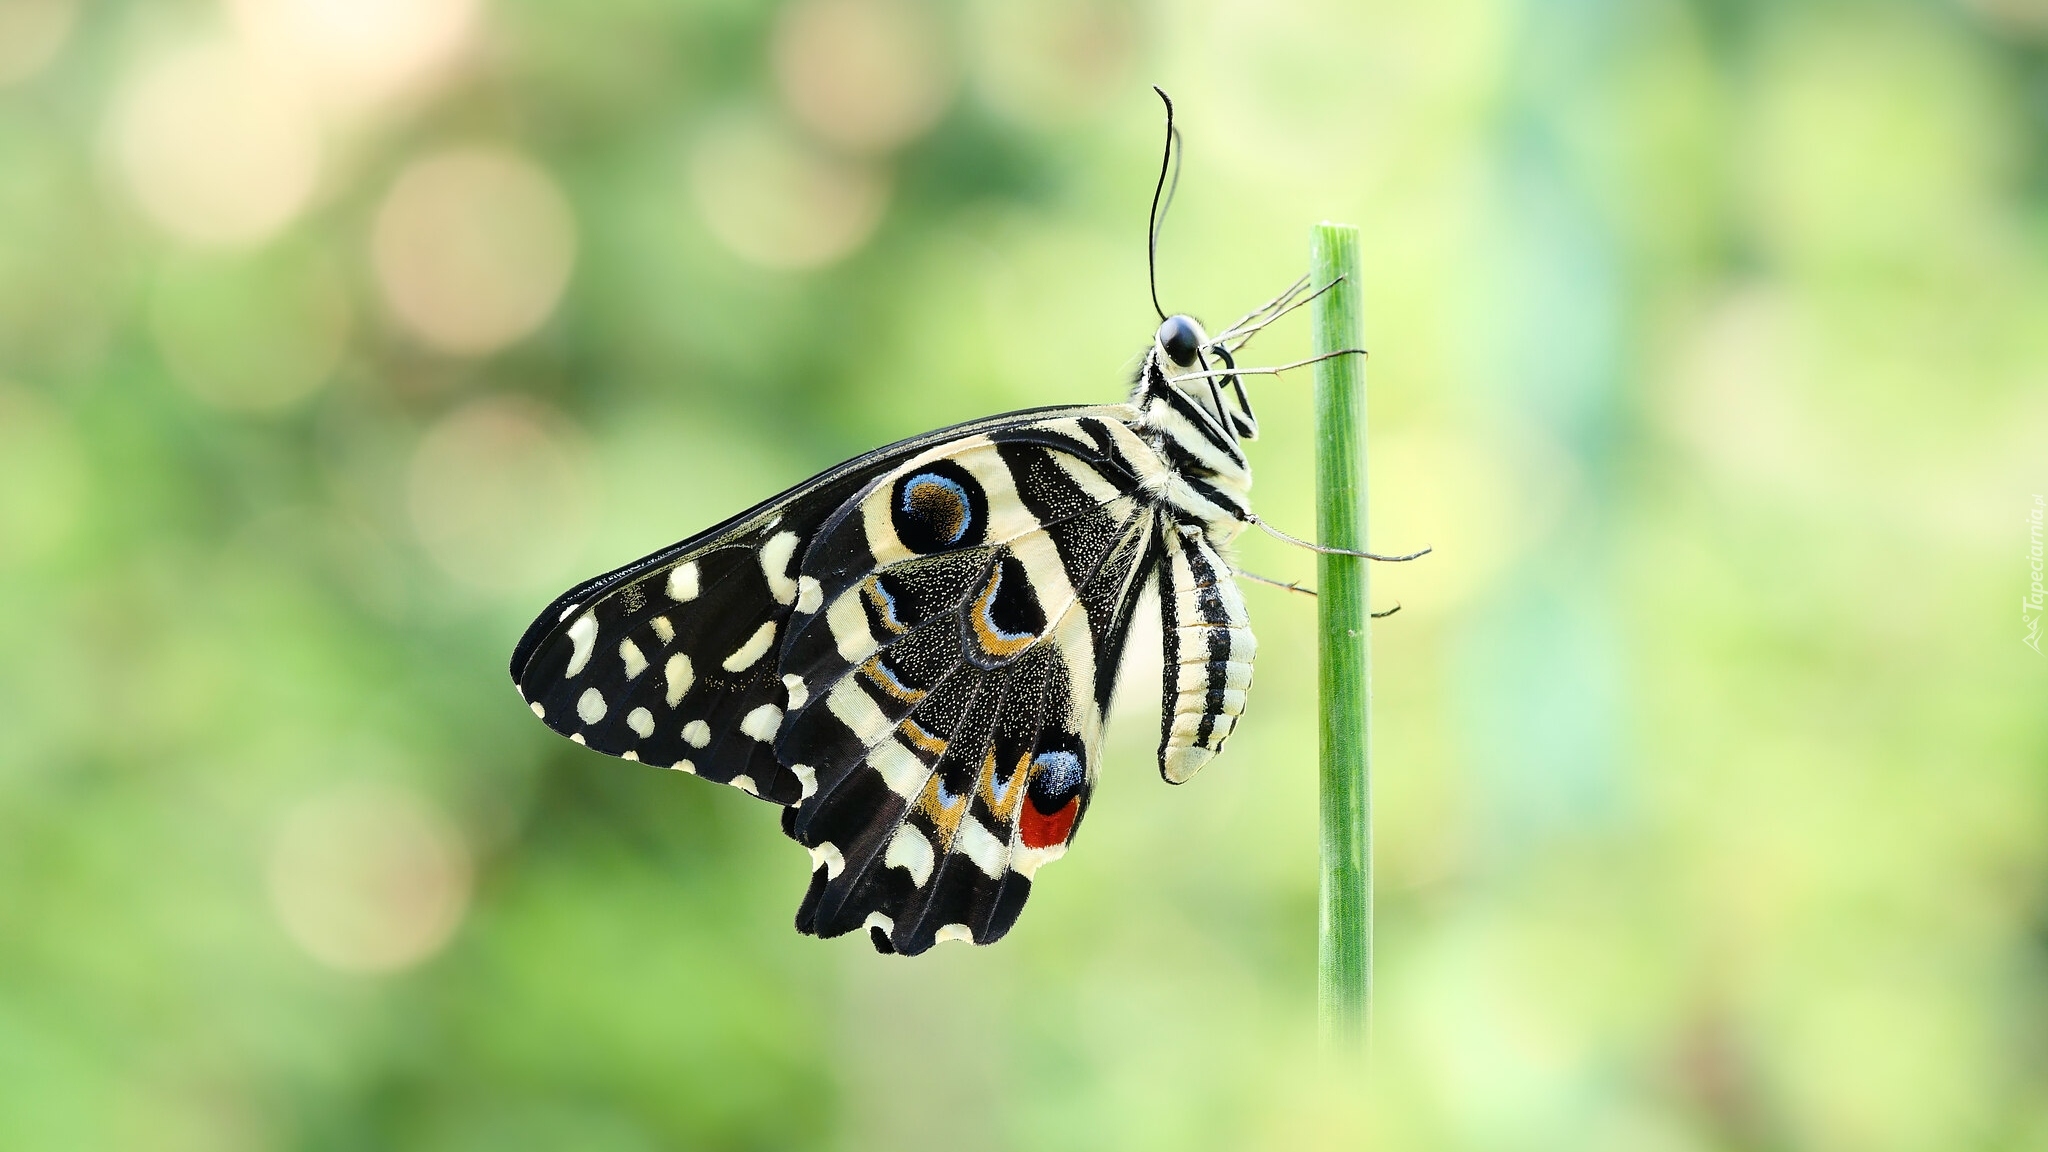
[(1209, 650)]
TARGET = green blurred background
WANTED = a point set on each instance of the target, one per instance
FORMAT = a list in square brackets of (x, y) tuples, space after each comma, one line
[(1710, 352)]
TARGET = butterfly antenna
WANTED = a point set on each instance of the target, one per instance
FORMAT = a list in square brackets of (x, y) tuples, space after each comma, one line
[(1170, 159)]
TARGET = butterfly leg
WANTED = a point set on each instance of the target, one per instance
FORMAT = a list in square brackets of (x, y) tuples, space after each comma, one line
[(1242, 333), (1270, 370), (1289, 585), (1242, 326), (1277, 534), (1295, 586)]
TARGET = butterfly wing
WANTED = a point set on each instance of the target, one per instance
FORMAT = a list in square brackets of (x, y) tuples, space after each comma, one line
[(672, 659), (950, 679)]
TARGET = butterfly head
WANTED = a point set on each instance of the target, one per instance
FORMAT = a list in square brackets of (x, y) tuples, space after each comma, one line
[(1181, 338), (1186, 357)]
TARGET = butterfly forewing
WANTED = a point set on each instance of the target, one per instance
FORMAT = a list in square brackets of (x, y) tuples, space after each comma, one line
[(673, 659)]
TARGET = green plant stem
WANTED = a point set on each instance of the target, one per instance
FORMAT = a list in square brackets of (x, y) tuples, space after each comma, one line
[(1344, 649)]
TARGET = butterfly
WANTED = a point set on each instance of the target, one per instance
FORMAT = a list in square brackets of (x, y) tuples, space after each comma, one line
[(913, 652)]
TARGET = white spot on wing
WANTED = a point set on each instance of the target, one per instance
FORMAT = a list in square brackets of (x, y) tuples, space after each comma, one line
[(679, 678), (633, 756), (763, 723), (590, 706), (849, 625), (684, 766), (806, 776), (635, 662), (641, 721), (756, 647), (953, 932), (973, 839), (537, 709), (1026, 862), (828, 855), (663, 630), (682, 582), (901, 770), (880, 920), (858, 711), (577, 739), (582, 634), (809, 594), (696, 733), (745, 784), (798, 694), (911, 852), (566, 611), (775, 557)]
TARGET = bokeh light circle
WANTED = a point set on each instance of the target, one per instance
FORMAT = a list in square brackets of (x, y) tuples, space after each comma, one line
[(473, 248), (865, 75), (355, 54), (368, 878), (32, 32), (775, 202), (499, 495), (211, 148), (1053, 62)]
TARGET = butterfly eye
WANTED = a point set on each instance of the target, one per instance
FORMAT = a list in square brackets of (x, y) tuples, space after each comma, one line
[(1180, 336)]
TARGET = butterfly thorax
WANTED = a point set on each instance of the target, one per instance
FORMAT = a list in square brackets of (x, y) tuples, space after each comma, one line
[(1207, 480)]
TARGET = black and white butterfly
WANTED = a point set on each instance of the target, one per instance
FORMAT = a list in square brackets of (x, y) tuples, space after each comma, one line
[(913, 652)]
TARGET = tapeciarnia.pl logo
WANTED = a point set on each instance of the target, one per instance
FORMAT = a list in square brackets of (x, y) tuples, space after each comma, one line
[(2037, 597)]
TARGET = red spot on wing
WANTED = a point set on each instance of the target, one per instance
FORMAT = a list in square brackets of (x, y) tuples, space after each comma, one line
[(1042, 831)]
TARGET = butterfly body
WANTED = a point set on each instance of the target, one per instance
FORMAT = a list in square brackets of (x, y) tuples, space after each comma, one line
[(914, 653)]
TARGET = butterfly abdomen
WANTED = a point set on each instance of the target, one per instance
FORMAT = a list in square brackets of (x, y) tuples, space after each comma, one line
[(1209, 651)]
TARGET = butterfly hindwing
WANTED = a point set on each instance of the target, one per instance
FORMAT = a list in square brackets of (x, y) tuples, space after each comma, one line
[(937, 832), (973, 605)]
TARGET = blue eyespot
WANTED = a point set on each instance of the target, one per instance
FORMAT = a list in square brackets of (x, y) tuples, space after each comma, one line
[(938, 507), (1055, 777)]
